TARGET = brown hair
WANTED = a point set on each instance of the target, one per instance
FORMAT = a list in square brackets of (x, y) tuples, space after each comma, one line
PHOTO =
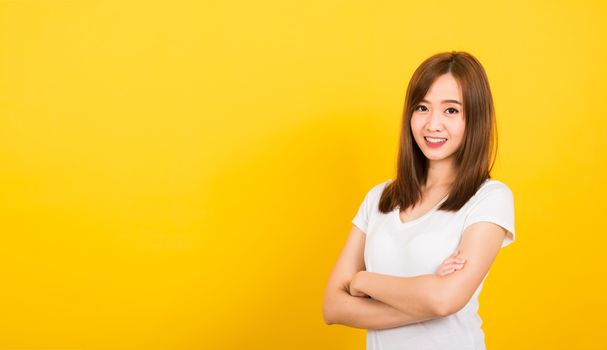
[(475, 157)]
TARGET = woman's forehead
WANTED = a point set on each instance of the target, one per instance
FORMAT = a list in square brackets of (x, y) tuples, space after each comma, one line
[(445, 87)]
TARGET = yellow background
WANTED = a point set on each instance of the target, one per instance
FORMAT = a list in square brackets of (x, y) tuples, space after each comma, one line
[(183, 174)]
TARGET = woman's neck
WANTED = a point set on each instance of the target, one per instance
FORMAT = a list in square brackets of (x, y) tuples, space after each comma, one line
[(440, 174)]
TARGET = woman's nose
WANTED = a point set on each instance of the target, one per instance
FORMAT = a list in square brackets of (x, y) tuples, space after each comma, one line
[(434, 124)]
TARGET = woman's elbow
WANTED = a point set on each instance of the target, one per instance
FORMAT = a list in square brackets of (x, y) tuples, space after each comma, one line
[(328, 309), (327, 314), (449, 303), (446, 309), (328, 318)]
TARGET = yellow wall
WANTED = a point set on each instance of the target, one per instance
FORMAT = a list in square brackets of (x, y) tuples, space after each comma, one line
[(182, 175)]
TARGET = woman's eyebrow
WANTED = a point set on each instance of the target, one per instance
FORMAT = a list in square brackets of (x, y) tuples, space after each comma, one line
[(446, 101)]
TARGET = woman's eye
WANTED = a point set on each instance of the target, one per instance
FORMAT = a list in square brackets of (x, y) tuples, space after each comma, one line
[(418, 106), (451, 108)]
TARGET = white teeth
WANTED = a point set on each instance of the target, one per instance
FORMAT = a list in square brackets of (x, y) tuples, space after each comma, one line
[(433, 140)]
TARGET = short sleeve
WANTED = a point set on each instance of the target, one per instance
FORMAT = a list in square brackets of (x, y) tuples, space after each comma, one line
[(365, 210), (497, 206)]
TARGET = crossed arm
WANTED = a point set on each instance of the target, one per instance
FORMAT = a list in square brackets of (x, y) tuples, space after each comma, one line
[(398, 301)]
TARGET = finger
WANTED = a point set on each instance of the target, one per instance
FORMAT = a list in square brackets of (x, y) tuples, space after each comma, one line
[(451, 263), (452, 266), (449, 259), (444, 272), (454, 260)]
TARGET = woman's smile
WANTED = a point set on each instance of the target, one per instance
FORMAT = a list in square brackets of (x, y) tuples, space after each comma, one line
[(434, 142)]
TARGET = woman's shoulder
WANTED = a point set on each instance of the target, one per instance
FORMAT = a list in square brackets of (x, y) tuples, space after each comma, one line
[(492, 187), (382, 185), (377, 189), (493, 184)]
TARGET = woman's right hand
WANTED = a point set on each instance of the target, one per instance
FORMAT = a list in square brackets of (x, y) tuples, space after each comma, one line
[(451, 264)]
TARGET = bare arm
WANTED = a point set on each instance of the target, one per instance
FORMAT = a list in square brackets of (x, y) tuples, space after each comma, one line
[(367, 313), (417, 296), (431, 294), (340, 307)]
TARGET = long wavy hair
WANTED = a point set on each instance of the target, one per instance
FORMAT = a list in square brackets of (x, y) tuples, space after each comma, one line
[(474, 158)]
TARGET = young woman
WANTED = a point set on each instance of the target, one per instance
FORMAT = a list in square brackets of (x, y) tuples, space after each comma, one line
[(400, 273)]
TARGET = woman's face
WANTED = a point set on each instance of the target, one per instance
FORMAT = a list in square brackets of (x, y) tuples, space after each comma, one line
[(440, 115)]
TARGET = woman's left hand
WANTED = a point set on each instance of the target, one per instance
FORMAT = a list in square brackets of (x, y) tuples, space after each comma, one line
[(451, 264), (354, 286)]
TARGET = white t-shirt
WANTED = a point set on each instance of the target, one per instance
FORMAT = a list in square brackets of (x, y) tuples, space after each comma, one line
[(419, 247)]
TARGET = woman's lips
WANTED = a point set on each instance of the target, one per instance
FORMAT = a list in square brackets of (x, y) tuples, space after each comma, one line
[(434, 145)]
